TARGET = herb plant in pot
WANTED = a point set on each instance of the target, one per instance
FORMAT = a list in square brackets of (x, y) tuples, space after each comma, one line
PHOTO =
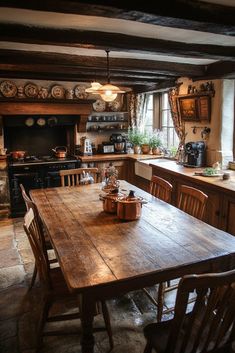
[(145, 147), (135, 137), (155, 143)]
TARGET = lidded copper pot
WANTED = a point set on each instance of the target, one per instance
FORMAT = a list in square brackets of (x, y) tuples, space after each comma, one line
[(129, 207)]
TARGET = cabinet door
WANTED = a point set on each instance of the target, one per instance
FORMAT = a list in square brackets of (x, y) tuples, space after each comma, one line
[(120, 165), (228, 215)]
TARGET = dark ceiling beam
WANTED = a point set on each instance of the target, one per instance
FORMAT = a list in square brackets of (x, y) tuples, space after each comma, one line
[(134, 65), (111, 41), (126, 81), (160, 86), (220, 70), (186, 14), (99, 74)]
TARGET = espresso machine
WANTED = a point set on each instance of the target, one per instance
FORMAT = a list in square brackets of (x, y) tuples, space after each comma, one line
[(196, 154), (119, 143)]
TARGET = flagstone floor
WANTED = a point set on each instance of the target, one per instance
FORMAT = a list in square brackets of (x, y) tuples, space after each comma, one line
[(19, 309)]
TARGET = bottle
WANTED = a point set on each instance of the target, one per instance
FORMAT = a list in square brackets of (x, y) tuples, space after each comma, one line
[(181, 157)]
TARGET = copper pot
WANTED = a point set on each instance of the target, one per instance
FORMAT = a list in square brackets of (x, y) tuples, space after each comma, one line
[(109, 201), (129, 207), (60, 151), (18, 154)]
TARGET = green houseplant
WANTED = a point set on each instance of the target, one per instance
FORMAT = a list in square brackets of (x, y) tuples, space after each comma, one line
[(155, 142), (135, 137)]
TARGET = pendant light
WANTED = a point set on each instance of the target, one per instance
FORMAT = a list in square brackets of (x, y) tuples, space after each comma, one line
[(108, 92), (94, 87)]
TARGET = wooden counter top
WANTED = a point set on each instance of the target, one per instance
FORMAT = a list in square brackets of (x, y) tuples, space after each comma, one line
[(189, 173), (116, 156)]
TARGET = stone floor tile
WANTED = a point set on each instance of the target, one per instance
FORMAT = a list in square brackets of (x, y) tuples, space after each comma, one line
[(9, 258), (11, 275)]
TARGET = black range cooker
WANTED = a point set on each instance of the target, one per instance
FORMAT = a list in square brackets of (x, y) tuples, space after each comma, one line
[(34, 173)]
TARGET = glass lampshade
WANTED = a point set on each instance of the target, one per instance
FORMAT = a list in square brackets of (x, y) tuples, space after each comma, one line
[(94, 87)]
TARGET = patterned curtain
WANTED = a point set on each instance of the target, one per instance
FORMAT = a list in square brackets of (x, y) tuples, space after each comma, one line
[(177, 121), (137, 107)]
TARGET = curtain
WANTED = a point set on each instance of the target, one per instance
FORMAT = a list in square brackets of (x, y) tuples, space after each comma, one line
[(177, 121), (137, 108)]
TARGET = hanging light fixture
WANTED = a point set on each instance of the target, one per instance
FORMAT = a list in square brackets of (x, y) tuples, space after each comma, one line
[(94, 87), (108, 92)]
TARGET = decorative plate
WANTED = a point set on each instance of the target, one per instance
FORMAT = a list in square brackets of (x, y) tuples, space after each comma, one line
[(58, 92), (115, 106), (8, 89), (29, 121), (99, 105), (41, 122), (80, 92), (31, 90)]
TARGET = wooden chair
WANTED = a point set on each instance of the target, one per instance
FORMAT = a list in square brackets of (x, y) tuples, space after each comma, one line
[(192, 201), (54, 286), (45, 241), (161, 188), (208, 327), (72, 177)]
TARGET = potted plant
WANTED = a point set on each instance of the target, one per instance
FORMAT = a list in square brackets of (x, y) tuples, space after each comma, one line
[(155, 142), (135, 137), (145, 147)]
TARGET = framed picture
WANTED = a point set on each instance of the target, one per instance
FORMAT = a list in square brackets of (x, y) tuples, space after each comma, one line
[(195, 108)]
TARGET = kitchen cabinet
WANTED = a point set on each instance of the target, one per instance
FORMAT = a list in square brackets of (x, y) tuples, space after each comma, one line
[(120, 165), (228, 214)]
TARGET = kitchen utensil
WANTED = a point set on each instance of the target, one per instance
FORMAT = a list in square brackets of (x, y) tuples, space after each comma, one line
[(60, 151), (18, 154), (129, 207), (109, 200)]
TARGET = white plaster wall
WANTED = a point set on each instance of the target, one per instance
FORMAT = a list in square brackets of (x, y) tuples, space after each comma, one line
[(221, 123)]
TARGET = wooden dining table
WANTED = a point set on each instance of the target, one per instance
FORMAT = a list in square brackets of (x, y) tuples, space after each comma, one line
[(103, 257)]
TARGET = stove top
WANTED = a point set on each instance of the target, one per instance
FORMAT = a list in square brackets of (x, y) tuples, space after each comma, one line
[(29, 160)]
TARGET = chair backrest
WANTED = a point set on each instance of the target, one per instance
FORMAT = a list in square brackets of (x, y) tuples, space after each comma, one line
[(33, 231), (30, 204), (192, 201), (161, 188), (211, 323), (72, 177)]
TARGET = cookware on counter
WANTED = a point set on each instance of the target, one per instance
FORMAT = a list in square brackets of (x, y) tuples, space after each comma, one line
[(18, 154), (129, 207), (60, 151)]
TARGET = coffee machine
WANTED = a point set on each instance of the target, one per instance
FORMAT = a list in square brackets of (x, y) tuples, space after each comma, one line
[(196, 154), (119, 143)]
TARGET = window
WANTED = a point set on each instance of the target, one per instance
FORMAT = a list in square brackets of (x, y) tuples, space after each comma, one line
[(158, 116)]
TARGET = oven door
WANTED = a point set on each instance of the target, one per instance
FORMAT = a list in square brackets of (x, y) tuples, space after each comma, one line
[(30, 180)]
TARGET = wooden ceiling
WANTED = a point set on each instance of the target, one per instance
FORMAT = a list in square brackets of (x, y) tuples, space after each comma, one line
[(151, 46)]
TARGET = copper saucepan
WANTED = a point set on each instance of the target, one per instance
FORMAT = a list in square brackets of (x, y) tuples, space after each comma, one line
[(18, 154)]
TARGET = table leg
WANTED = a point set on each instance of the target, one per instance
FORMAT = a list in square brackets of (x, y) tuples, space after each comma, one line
[(87, 305)]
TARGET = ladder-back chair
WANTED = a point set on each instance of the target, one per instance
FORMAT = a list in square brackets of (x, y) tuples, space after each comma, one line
[(192, 201), (45, 241), (54, 286), (72, 177), (161, 188), (208, 327)]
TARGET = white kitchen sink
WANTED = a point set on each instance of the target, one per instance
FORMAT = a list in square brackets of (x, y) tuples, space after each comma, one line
[(143, 170)]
